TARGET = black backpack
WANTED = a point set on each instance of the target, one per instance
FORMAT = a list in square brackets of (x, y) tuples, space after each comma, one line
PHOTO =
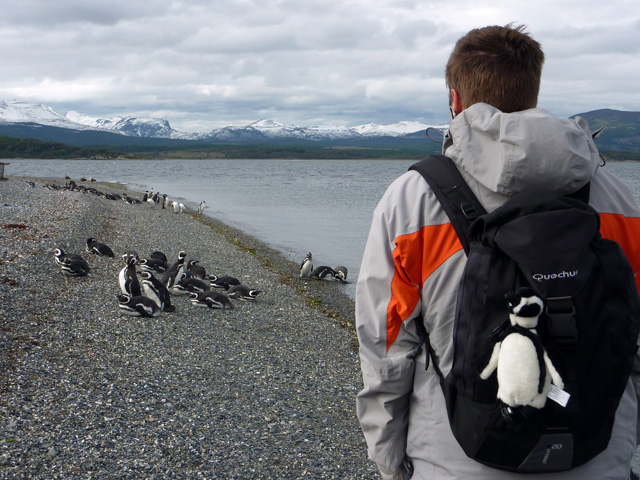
[(589, 326)]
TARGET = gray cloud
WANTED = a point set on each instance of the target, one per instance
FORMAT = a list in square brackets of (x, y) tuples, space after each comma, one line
[(203, 64)]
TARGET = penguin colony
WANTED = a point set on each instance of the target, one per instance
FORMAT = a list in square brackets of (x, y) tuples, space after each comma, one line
[(147, 285), (322, 272)]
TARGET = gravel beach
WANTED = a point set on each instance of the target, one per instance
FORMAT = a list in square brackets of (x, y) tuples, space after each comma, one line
[(264, 390)]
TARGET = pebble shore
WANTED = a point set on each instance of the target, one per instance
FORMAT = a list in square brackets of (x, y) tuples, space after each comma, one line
[(265, 390)]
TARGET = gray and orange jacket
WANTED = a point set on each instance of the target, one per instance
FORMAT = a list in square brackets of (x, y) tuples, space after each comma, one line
[(412, 265)]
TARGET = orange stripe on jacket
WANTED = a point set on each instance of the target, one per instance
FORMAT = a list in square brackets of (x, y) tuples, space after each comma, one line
[(416, 256), (625, 231)]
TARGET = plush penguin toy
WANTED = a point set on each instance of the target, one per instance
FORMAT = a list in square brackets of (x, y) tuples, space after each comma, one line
[(524, 370)]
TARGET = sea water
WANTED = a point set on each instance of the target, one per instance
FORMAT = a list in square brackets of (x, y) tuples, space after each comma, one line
[(295, 206)]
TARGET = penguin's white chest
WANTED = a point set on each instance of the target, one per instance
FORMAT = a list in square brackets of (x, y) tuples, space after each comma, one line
[(122, 280), (519, 373)]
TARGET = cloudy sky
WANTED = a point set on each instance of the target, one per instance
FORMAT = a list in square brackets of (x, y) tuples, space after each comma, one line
[(204, 64)]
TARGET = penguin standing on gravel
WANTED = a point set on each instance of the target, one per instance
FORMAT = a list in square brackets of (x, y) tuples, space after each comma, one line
[(306, 267), (197, 271), (201, 207), (127, 279), (98, 248), (175, 272), (156, 291)]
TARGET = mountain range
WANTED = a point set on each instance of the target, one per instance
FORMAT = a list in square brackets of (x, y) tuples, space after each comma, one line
[(16, 112), (41, 122)]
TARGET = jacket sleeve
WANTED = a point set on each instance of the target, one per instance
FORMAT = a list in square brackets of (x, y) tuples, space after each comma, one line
[(386, 295)]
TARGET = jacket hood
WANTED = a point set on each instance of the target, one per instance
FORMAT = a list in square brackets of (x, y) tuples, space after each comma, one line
[(512, 152)]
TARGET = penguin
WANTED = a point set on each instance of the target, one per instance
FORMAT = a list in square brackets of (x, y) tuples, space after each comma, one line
[(160, 256), (76, 267), (138, 306), (341, 274), (175, 272), (242, 292), (156, 291), (201, 207), (211, 299), (523, 367), (60, 256), (164, 200), (153, 265), (223, 282), (145, 196), (156, 198), (128, 280), (197, 271), (98, 248), (150, 202), (188, 285), (130, 253), (306, 267), (322, 272), (176, 207)]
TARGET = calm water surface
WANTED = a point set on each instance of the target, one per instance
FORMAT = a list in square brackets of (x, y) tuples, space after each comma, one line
[(295, 206)]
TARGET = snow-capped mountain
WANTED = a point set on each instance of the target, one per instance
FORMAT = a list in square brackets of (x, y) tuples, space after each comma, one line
[(275, 130), (391, 129), (23, 112), (143, 127)]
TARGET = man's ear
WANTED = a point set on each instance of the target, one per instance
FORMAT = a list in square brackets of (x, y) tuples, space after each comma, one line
[(456, 103)]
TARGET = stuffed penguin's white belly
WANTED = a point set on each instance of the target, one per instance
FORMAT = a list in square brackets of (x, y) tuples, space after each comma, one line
[(519, 373)]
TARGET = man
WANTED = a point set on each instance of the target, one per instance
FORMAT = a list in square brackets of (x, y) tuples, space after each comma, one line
[(413, 261)]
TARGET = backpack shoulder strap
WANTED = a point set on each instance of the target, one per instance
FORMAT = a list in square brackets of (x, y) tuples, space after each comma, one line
[(453, 193)]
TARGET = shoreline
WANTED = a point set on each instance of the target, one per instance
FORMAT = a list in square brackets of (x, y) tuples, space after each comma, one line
[(266, 390)]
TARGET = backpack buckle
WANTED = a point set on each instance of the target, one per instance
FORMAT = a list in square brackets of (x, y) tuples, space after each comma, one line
[(562, 321), (469, 210)]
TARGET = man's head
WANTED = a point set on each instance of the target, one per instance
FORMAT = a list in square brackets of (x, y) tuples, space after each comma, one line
[(497, 65)]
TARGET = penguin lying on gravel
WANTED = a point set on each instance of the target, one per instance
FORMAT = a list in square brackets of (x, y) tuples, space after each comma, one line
[(189, 285), (76, 267), (138, 306), (242, 292), (153, 265), (322, 272), (224, 281), (211, 299), (341, 274), (98, 248), (71, 264)]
